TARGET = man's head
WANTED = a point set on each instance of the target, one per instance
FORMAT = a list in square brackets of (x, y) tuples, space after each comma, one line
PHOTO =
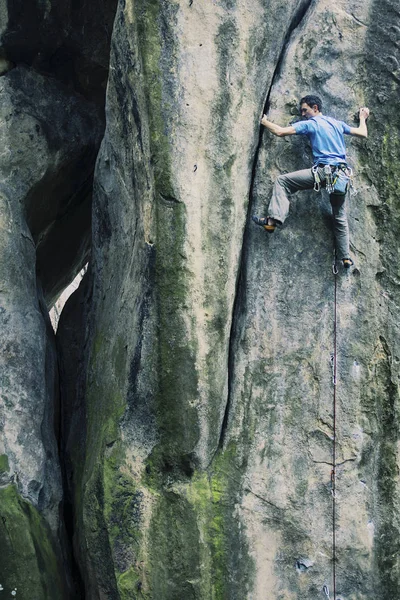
[(310, 106)]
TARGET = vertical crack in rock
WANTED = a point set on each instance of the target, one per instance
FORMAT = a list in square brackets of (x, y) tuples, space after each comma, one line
[(302, 10), (304, 7)]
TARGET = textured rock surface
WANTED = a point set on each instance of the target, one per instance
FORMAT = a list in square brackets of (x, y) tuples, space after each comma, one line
[(48, 140), (290, 454), (50, 136), (30, 481), (195, 95), (209, 438), (196, 427)]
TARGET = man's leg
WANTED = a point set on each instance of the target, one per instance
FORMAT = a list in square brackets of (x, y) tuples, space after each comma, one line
[(285, 185), (340, 225)]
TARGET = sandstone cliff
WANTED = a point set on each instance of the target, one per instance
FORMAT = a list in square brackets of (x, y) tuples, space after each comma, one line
[(190, 453)]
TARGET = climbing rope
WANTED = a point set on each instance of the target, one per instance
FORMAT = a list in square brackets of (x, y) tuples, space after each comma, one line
[(333, 473)]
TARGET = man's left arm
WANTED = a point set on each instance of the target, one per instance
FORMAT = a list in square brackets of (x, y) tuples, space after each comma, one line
[(361, 130)]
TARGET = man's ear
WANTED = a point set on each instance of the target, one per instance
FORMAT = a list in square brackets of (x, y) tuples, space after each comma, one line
[(315, 107)]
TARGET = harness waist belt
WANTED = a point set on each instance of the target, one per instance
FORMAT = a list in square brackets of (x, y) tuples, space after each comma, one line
[(337, 166)]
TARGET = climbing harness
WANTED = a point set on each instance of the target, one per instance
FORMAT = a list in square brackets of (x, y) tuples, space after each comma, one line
[(338, 178)]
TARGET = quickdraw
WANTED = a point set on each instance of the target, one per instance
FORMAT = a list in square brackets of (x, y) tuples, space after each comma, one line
[(353, 191), (325, 589), (317, 178), (329, 179)]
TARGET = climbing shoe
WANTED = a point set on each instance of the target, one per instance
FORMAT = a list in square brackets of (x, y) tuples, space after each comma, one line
[(347, 263), (268, 223)]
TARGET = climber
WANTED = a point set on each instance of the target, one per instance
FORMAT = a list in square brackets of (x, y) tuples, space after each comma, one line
[(329, 169)]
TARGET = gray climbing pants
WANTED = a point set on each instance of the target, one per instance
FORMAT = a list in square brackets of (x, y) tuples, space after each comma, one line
[(288, 184)]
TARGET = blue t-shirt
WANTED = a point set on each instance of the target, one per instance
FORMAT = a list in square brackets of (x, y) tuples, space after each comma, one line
[(326, 137)]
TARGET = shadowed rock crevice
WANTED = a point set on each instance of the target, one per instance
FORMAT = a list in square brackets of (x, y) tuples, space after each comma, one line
[(68, 43), (51, 138), (71, 345), (52, 121), (68, 40), (299, 17)]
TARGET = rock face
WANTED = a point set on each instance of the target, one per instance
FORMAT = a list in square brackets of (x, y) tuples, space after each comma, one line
[(285, 337), (59, 42), (209, 393), (199, 419), (34, 193)]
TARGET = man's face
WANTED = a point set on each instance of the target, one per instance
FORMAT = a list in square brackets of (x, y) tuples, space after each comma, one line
[(307, 111)]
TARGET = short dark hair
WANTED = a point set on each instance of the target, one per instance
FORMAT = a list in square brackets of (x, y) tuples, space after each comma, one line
[(311, 100)]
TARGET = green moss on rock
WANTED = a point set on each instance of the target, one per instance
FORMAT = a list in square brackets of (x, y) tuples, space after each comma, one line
[(175, 558), (380, 399), (177, 376), (149, 21), (387, 546), (177, 373), (106, 401), (105, 406), (123, 500), (4, 466), (29, 561), (227, 568)]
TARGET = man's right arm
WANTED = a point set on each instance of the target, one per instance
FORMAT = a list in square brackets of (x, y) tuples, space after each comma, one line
[(276, 129), (361, 130)]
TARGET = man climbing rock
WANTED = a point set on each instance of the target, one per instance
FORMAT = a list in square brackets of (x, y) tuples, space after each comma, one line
[(329, 169)]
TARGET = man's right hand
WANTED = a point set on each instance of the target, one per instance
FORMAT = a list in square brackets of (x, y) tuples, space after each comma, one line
[(364, 112), (277, 129)]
